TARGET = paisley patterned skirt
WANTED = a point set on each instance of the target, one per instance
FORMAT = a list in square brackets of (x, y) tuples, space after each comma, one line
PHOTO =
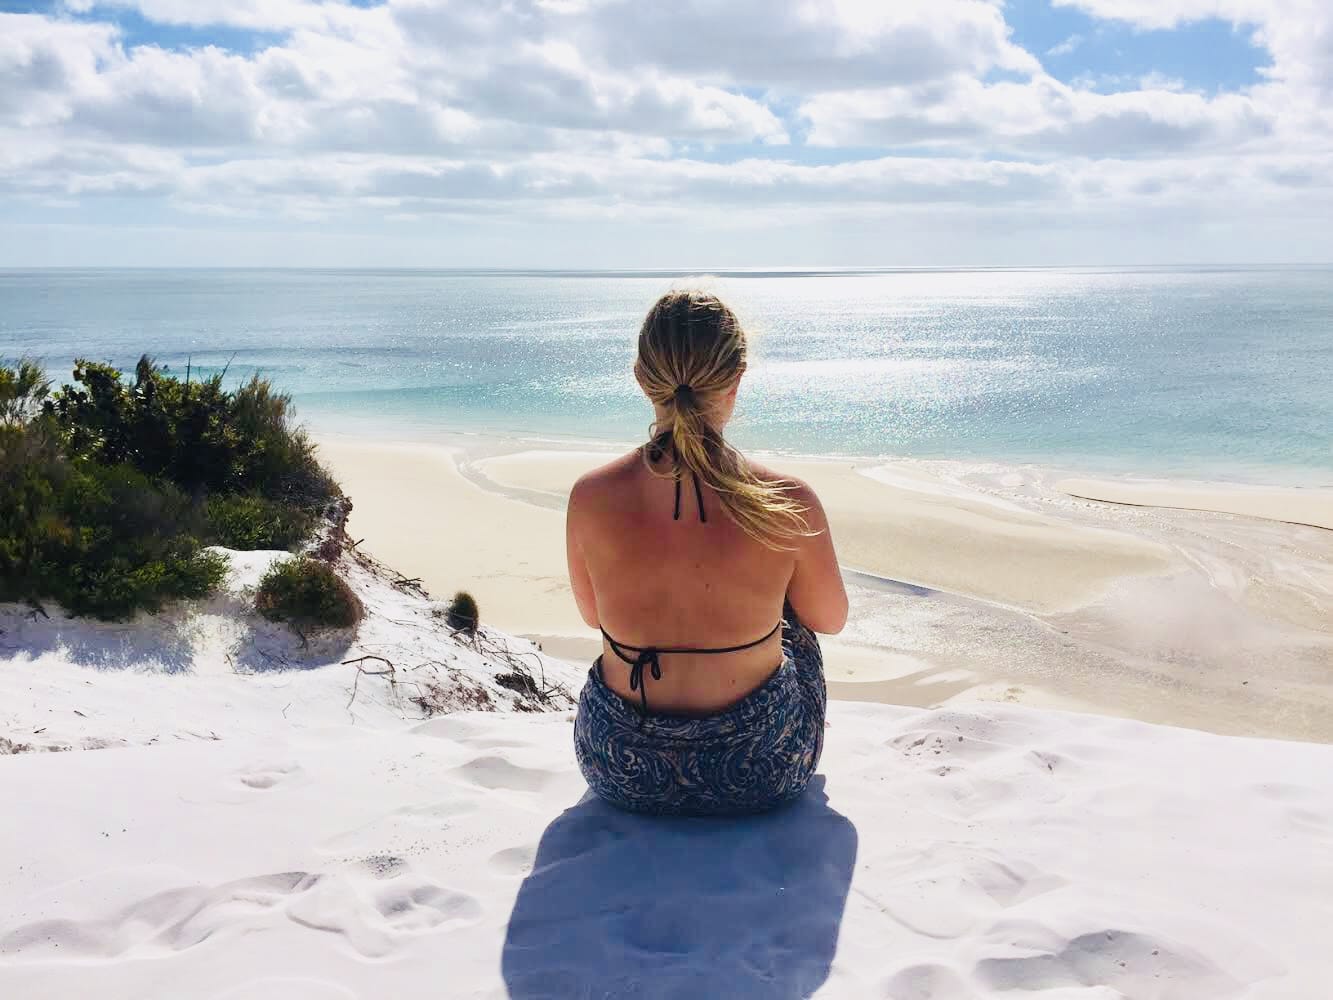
[(752, 757)]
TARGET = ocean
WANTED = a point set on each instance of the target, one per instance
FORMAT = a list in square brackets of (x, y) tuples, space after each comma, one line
[(1187, 372)]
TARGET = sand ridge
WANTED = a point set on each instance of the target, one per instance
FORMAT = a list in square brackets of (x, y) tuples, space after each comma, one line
[(1291, 505)]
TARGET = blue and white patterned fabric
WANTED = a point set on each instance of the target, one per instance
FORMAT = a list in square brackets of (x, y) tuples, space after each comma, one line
[(750, 758)]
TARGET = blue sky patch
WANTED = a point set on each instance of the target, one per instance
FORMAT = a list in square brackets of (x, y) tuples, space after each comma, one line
[(138, 30), (1207, 55)]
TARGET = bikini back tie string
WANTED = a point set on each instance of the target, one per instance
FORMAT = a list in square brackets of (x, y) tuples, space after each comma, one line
[(660, 445), (647, 656)]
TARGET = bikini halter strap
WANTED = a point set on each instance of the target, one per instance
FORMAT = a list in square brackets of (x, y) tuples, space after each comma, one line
[(658, 448), (647, 656)]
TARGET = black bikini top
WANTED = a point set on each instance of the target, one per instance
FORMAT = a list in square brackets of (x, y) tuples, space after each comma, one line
[(647, 656)]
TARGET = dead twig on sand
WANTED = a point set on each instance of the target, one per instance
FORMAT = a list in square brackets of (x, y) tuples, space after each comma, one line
[(519, 678), (371, 656), (281, 661), (369, 673)]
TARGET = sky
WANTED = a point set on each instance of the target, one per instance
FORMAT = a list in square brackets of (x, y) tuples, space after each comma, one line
[(694, 134)]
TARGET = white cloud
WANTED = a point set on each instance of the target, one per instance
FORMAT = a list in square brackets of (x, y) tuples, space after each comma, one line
[(706, 113), (1066, 47), (43, 61), (811, 45), (1041, 118)]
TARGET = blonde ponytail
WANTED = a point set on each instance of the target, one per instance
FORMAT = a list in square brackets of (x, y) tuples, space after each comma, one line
[(691, 352)]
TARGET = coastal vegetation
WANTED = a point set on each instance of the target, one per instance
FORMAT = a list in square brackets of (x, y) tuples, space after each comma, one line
[(462, 614), (308, 595), (112, 488)]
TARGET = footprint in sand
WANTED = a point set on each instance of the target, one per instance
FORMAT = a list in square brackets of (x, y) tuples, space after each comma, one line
[(418, 906), (495, 771), (160, 924), (373, 917), (515, 862), (945, 893), (267, 776), (927, 982), (1115, 959), (371, 913)]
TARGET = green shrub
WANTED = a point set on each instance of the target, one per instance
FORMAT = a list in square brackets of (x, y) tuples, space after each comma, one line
[(255, 522), (278, 460), (33, 474), (110, 488), (99, 540), (23, 390), (195, 434), (308, 595), (462, 614)]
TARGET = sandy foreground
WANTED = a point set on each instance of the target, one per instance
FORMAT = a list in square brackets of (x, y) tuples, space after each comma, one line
[(968, 582), (200, 805), (952, 854)]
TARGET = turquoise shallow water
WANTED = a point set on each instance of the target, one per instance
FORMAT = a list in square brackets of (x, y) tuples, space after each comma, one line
[(1190, 372)]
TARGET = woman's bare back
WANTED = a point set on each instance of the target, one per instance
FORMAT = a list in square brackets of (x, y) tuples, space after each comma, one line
[(649, 579)]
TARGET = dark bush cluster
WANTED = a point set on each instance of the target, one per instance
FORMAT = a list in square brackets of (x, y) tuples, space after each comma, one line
[(462, 614), (308, 595), (110, 489), (194, 434)]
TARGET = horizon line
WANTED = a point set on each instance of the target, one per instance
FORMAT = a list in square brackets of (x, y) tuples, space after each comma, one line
[(733, 271)]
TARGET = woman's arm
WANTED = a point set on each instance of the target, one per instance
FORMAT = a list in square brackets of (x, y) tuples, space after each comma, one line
[(816, 592), (579, 580)]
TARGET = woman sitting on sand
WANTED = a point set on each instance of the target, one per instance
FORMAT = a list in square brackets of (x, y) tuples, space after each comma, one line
[(705, 574)]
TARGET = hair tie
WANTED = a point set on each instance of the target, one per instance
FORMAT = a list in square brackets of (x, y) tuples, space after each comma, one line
[(682, 390)]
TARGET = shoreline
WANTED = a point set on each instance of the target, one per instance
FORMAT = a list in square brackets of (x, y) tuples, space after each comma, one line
[(1218, 474), (969, 581)]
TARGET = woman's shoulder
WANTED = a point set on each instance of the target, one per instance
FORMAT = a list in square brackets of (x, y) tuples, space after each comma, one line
[(795, 485), (606, 478), (796, 489)]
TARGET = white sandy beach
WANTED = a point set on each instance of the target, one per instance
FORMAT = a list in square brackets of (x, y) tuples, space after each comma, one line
[(956, 854), (968, 582), (203, 806)]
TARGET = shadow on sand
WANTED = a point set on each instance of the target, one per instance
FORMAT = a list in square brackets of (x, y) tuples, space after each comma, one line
[(630, 906)]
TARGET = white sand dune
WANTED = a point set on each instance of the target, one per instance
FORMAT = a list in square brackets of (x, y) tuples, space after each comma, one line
[(244, 817), (940, 855), (201, 670)]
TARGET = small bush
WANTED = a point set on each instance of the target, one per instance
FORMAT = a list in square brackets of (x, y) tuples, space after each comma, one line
[(308, 595), (462, 614), (255, 522)]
